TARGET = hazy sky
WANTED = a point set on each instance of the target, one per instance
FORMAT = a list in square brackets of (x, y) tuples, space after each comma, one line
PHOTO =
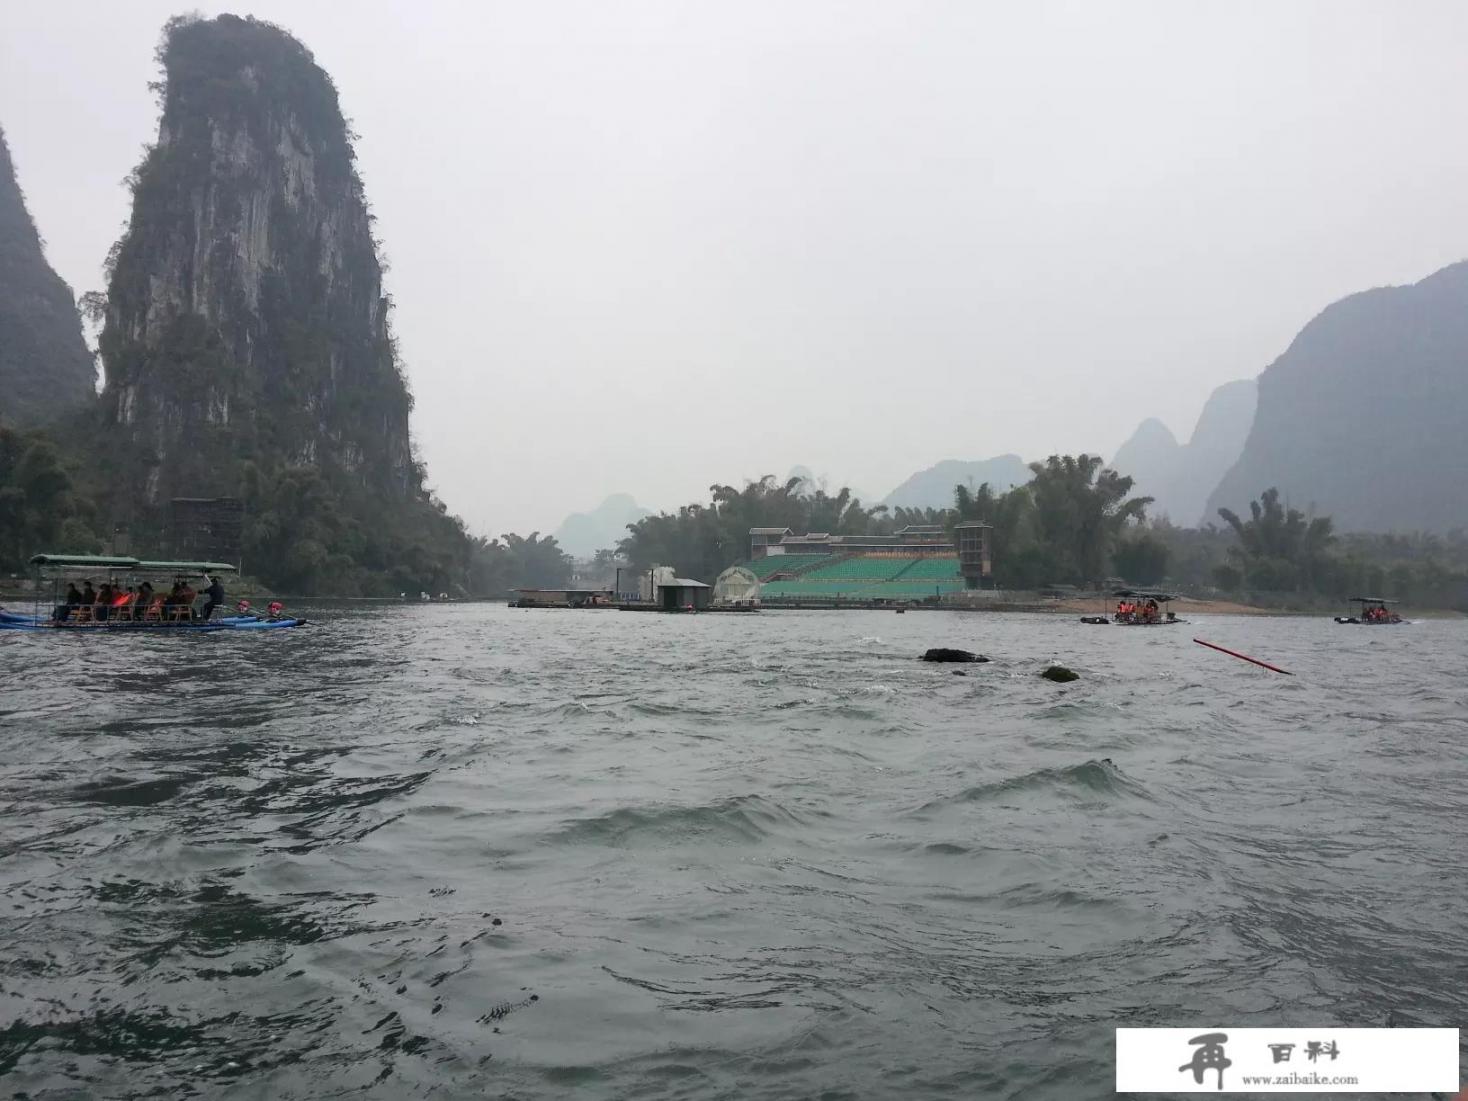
[(650, 246)]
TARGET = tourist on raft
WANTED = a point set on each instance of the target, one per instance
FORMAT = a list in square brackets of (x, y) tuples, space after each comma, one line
[(215, 593), (73, 600)]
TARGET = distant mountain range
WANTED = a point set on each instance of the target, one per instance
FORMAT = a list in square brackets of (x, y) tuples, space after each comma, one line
[(811, 482), (933, 487), (1181, 476), (1365, 416), (582, 534)]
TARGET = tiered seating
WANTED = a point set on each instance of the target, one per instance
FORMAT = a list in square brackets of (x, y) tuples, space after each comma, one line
[(858, 577), (936, 569), (764, 568), (861, 568)]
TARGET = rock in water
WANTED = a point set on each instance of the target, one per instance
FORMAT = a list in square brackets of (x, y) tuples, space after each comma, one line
[(45, 368), (246, 346), (1060, 674), (944, 654)]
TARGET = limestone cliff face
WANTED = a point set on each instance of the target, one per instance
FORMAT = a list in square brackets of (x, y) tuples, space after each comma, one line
[(45, 368), (246, 329), (1362, 418)]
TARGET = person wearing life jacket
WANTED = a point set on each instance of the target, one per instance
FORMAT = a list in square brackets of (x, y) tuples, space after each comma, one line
[(275, 608), (122, 603), (186, 598)]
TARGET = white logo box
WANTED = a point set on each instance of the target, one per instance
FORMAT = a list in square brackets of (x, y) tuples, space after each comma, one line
[(1287, 1060)]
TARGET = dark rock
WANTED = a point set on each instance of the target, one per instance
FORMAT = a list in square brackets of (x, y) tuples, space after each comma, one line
[(942, 653), (1060, 674)]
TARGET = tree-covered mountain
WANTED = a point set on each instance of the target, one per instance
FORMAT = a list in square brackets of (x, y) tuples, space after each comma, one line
[(1363, 416), (45, 368), (1179, 477), (247, 345), (582, 534), (933, 487)]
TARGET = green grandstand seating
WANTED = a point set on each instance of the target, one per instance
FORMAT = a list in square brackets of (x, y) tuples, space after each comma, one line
[(865, 568), (847, 590), (784, 563), (938, 569), (858, 577)]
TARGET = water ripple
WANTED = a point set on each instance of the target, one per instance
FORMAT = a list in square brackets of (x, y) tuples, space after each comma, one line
[(472, 851)]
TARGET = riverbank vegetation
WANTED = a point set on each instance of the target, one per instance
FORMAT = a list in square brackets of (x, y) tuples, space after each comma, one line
[(1077, 524), (303, 533), (1064, 527)]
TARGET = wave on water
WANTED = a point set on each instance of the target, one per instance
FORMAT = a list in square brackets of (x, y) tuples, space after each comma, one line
[(744, 818), (813, 866), (125, 791), (1091, 778)]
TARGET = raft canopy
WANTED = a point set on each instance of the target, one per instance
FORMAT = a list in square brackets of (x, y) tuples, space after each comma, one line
[(186, 567), (105, 562), (94, 561), (1373, 600), (1161, 598)]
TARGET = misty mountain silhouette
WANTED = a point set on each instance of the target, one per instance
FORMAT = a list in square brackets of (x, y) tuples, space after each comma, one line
[(933, 487), (1365, 416), (1181, 476), (582, 534)]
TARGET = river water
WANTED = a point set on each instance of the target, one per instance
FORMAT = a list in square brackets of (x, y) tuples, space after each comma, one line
[(467, 850)]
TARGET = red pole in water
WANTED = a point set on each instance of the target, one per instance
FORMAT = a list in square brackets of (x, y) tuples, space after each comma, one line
[(1242, 657)]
